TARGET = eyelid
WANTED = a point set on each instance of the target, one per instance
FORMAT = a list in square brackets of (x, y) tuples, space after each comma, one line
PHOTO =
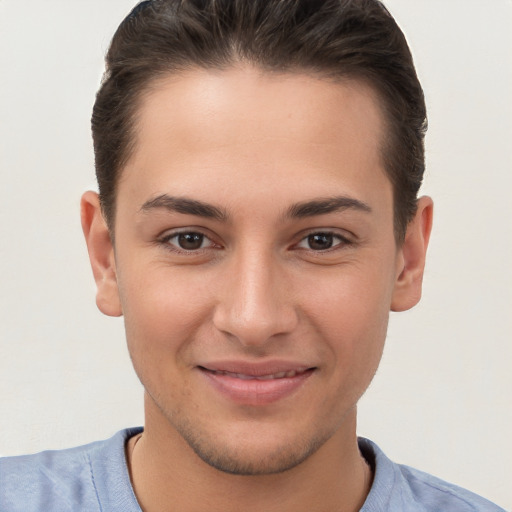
[(166, 237), (344, 240)]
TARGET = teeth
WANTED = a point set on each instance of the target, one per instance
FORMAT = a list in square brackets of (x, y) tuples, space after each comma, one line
[(270, 377), (242, 376)]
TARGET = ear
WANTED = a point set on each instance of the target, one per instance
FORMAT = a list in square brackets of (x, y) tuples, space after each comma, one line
[(407, 291), (101, 255)]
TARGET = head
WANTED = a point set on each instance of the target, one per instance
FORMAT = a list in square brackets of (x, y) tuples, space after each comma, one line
[(336, 40), (258, 165)]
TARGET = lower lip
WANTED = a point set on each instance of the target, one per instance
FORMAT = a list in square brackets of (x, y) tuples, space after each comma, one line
[(254, 391)]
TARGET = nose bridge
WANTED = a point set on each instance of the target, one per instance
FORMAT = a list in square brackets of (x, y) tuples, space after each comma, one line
[(255, 305)]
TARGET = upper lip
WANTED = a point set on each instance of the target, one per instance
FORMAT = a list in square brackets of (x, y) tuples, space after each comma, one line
[(256, 369)]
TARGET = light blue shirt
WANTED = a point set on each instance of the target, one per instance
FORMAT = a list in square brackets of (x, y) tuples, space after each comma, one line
[(94, 478)]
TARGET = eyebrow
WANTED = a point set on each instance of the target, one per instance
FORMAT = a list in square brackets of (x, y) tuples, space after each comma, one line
[(323, 206), (184, 205)]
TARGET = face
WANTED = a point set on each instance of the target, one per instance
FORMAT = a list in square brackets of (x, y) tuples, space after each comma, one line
[(255, 262)]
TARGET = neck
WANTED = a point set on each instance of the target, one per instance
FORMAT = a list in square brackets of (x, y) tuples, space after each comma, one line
[(168, 476)]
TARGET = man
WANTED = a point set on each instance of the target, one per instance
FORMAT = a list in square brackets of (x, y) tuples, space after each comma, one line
[(258, 165)]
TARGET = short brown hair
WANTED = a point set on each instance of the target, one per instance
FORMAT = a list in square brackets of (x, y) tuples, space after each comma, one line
[(333, 38)]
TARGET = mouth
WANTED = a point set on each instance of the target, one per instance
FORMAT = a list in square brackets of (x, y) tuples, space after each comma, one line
[(256, 385), (279, 375)]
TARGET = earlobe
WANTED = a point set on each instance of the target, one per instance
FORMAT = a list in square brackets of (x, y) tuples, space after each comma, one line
[(101, 254), (408, 285)]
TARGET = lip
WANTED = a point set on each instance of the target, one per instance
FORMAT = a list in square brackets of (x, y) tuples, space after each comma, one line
[(256, 383)]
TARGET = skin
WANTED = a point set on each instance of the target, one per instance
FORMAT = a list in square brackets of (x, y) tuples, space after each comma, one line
[(257, 287)]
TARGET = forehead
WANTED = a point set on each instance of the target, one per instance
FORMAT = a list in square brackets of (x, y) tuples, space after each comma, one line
[(246, 97), (278, 130)]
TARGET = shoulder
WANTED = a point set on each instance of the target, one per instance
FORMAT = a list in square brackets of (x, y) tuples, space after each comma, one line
[(401, 488), (60, 480), (437, 494), (52, 480)]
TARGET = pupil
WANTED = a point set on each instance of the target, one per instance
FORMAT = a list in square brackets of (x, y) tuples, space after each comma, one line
[(320, 241), (190, 241)]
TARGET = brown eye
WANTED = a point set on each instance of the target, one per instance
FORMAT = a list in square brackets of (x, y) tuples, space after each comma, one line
[(190, 241), (320, 241), (187, 241)]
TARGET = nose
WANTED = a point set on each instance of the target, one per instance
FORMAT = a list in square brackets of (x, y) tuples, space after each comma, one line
[(255, 304)]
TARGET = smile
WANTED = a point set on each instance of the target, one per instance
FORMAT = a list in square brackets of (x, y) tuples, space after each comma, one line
[(255, 385), (279, 375)]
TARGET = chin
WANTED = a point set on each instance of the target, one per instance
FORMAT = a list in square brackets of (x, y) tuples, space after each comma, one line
[(253, 460), (251, 451)]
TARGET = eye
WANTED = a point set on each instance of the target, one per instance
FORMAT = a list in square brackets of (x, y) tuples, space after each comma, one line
[(322, 241), (188, 241)]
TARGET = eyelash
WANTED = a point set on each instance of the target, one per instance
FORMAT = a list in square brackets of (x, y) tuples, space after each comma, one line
[(342, 242), (166, 242)]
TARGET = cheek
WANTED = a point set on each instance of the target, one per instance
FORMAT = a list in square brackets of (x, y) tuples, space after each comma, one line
[(351, 312), (163, 310)]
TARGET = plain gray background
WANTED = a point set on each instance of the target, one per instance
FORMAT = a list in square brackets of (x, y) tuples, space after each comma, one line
[(441, 400)]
